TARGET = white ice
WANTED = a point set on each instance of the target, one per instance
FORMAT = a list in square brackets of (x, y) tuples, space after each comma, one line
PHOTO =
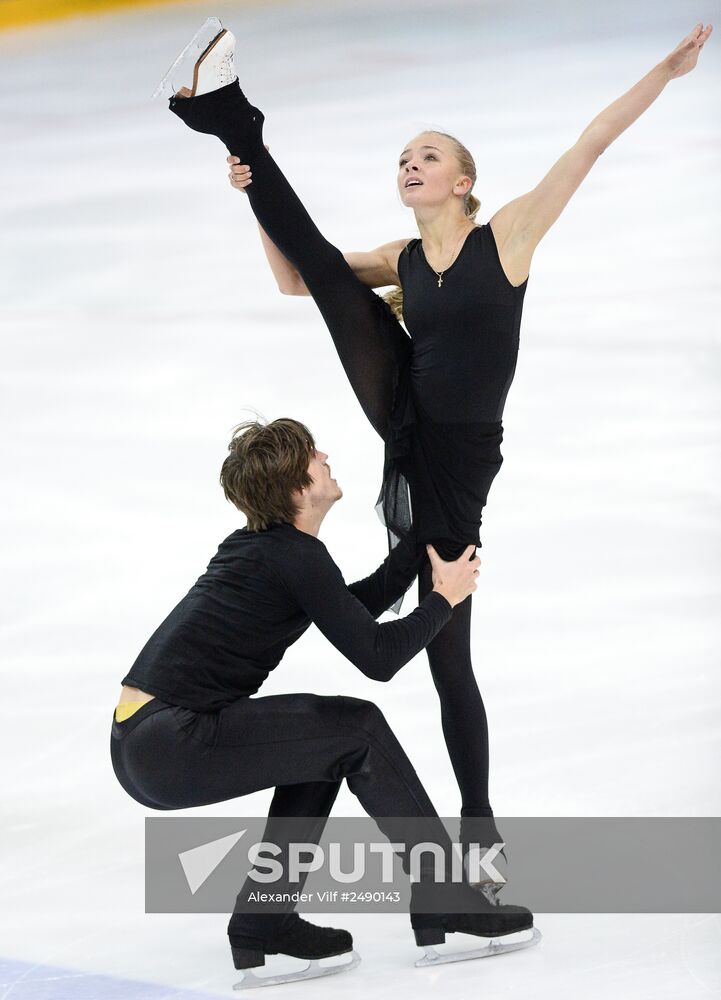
[(140, 320)]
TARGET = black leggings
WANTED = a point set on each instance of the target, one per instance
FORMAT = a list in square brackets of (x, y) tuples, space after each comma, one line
[(373, 348), (167, 757)]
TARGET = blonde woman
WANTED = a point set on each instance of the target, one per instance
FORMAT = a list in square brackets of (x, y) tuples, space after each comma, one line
[(436, 397)]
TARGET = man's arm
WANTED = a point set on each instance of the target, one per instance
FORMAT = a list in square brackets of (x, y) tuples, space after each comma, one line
[(378, 650)]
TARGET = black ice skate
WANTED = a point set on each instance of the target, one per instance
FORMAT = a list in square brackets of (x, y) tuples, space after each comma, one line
[(479, 925), (477, 874), (495, 921), (297, 938)]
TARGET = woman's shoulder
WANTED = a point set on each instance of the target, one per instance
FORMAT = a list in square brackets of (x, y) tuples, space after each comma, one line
[(406, 247), (396, 248), (396, 254)]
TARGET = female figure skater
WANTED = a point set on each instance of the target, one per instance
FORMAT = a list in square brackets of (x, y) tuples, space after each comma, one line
[(436, 397)]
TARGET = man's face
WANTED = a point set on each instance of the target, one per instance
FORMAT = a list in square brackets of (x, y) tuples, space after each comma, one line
[(324, 490)]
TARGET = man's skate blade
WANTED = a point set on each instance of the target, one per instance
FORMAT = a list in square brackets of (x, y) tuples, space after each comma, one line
[(494, 947), (181, 72), (313, 971)]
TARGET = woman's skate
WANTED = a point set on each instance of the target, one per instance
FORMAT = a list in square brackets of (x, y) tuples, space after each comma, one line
[(205, 64)]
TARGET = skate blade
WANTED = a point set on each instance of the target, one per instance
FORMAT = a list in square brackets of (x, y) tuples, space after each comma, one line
[(494, 947), (181, 72), (313, 971)]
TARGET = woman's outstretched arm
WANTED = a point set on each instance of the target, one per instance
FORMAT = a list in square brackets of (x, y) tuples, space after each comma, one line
[(525, 220), (616, 118)]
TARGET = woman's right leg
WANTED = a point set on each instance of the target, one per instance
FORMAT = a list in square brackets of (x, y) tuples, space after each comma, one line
[(370, 341)]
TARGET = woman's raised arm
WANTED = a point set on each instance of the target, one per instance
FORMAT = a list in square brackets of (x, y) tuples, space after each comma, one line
[(528, 218)]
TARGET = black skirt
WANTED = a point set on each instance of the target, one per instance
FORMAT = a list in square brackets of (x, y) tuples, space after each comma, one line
[(436, 475)]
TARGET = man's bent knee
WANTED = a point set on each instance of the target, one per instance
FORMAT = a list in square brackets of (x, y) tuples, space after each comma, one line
[(360, 714)]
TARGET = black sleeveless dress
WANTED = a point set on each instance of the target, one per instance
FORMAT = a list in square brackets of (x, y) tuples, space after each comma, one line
[(442, 451)]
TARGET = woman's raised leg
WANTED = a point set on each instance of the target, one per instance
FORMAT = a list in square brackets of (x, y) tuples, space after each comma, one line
[(371, 343)]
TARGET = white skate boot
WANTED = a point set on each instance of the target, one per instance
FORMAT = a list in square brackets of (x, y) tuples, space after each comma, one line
[(205, 64)]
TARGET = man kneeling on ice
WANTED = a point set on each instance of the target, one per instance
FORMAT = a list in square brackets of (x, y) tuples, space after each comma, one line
[(187, 731)]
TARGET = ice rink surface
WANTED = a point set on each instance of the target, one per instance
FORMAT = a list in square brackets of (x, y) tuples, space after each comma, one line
[(140, 321)]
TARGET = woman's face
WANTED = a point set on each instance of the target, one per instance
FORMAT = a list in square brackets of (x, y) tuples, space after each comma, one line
[(429, 173)]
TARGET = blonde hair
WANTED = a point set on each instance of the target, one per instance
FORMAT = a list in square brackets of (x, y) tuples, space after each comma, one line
[(471, 204)]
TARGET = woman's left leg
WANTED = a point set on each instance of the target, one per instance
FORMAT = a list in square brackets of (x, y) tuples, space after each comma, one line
[(463, 714)]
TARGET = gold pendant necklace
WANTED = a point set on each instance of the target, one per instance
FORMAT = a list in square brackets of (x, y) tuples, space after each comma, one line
[(441, 273)]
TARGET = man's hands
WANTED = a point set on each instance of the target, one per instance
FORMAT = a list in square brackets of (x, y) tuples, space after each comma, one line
[(455, 580), (240, 173)]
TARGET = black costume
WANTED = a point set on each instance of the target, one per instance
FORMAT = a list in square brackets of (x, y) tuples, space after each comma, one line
[(446, 429), (258, 595), (435, 398), (204, 739)]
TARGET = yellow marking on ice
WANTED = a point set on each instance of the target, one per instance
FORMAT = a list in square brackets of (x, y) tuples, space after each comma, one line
[(19, 13), (23, 13)]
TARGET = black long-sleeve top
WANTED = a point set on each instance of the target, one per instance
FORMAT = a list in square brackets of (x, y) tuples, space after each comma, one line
[(259, 594)]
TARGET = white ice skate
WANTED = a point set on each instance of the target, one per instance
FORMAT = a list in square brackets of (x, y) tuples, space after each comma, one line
[(314, 970), (495, 946), (205, 64)]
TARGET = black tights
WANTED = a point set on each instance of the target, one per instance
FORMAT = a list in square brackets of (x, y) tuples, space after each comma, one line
[(373, 347), (463, 714)]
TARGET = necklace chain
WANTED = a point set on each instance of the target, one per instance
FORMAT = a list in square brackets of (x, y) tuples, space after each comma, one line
[(441, 273)]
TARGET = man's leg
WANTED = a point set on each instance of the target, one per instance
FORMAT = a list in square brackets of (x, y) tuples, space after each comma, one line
[(176, 758), (308, 804)]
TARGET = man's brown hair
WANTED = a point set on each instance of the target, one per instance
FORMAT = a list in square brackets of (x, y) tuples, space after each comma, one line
[(265, 464)]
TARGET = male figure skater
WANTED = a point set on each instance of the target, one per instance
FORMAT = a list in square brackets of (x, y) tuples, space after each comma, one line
[(188, 731)]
